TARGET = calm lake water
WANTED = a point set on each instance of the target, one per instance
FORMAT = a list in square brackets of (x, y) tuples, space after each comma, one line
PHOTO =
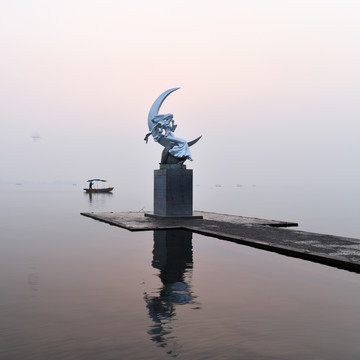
[(75, 288)]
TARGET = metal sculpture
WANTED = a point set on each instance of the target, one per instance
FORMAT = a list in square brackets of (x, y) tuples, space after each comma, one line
[(161, 127)]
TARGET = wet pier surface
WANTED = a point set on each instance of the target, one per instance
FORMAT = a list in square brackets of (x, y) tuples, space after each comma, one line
[(264, 234)]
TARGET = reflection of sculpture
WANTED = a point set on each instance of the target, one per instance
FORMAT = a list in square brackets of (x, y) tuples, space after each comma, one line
[(172, 255), (176, 150)]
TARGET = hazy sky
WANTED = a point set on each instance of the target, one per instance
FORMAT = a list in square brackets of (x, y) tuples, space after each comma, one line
[(272, 85)]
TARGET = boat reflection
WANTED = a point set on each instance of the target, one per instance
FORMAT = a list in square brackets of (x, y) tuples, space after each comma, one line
[(173, 256), (98, 197)]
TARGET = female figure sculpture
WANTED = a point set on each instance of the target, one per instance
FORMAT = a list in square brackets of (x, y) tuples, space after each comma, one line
[(162, 132), (161, 127)]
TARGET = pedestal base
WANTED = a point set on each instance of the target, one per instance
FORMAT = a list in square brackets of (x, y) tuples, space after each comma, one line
[(173, 191)]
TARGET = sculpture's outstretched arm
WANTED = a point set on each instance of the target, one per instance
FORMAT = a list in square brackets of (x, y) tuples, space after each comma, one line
[(146, 138)]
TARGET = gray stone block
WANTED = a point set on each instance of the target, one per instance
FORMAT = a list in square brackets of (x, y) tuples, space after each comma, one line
[(173, 191)]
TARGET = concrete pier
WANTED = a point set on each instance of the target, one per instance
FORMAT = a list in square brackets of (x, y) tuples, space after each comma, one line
[(337, 251)]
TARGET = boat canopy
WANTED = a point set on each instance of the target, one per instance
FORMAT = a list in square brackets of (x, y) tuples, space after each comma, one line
[(96, 180)]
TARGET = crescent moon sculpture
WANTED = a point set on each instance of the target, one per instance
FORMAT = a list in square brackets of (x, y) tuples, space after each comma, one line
[(161, 127), (154, 110)]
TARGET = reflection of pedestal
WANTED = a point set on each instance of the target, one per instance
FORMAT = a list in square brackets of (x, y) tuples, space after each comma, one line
[(173, 256), (173, 191)]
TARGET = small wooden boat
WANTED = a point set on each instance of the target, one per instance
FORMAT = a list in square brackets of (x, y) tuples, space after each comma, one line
[(94, 187), (109, 189)]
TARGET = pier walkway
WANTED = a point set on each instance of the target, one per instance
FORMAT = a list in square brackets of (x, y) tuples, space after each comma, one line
[(271, 235)]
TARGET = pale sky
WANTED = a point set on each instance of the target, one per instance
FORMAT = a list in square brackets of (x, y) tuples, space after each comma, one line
[(272, 86)]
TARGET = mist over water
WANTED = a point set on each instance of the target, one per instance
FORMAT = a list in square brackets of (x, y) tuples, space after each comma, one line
[(272, 87), (321, 209)]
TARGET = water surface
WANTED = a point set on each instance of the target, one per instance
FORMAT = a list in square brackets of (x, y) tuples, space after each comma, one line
[(75, 288)]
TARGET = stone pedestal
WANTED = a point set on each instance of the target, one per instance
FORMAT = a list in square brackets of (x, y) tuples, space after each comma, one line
[(173, 191)]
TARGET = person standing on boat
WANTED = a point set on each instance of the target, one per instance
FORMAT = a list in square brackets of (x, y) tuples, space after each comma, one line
[(90, 185)]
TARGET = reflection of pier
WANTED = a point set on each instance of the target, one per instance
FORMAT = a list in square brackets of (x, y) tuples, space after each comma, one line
[(172, 255)]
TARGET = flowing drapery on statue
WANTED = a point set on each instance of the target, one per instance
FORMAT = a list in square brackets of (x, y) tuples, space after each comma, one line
[(161, 127)]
